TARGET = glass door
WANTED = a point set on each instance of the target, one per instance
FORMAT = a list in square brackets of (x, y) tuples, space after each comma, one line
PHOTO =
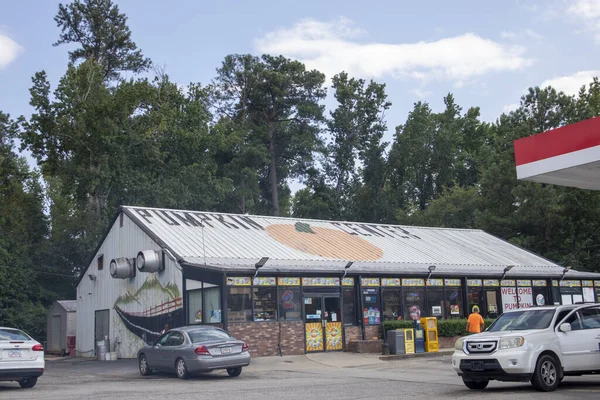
[(323, 323), (313, 323), (333, 324)]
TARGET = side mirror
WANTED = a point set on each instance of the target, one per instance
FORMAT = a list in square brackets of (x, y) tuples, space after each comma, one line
[(566, 327)]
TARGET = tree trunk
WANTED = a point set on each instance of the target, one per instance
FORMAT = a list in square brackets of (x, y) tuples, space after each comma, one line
[(273, 173)]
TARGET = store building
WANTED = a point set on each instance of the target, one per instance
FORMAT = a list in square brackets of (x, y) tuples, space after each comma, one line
[(290, 286)]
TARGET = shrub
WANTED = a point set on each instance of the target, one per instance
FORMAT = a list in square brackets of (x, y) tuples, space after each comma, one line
[(446, 327)]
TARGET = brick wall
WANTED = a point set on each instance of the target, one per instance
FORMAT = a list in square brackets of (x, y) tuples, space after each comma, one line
[(263, 337), (373, 332), (351, 334)]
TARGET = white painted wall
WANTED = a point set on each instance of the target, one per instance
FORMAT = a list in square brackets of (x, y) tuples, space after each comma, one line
[(102, 293)]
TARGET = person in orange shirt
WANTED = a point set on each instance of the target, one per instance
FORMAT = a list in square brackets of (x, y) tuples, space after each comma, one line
[(475, 322)]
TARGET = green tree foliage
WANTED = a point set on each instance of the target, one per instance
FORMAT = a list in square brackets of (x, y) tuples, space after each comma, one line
[(23, 228), (102, 33), (273, 103)]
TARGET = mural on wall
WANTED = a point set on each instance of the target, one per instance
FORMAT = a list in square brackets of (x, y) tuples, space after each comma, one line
[(164, 307), (324, 242)]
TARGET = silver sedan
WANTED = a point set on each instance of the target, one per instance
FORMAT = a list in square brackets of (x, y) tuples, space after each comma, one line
[(194, 349)]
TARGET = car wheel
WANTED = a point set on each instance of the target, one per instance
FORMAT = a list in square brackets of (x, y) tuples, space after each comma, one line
[(476, 385), (546, 375), (145, 369), (233, 372), (181, 369), (28, 383)]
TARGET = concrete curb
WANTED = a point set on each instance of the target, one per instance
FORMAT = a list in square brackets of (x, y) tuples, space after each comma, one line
[(442, 352)]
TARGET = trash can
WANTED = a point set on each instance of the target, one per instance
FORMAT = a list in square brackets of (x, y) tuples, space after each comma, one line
[(102, 348), (401, 341)]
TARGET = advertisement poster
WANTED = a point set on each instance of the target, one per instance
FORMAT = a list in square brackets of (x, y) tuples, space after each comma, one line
[(474, 282), (320, 281), (588, 294), (369, 281), (454, 282), (348, 282), (238, 281), (414, 312), (454, 309), (333, 336), (390, 281), (264, 281), (314, 337), (514, 298), (284, 281)]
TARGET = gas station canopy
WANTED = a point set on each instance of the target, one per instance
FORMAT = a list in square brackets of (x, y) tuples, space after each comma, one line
[(566, 156)]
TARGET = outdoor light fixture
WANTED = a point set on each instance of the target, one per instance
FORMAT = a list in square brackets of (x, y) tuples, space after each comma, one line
[(346, 268), (508, 268), (260, 264), (430, 269), (92, 277), (565, 270)]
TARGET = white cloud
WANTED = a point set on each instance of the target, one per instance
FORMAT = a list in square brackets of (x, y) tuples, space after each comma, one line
[(588, 13), (526, 34), (332, 47), (508, 35), (571, 84), (421, 93), (510, 107), (9, 50)]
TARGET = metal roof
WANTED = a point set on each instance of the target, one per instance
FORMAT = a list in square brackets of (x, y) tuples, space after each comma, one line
[(69, 305), (234, 242)]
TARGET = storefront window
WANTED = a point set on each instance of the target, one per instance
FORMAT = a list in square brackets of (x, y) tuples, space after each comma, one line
[(392, 304), (454, 303), (474, 298), (212, 304), (265, 303), (435, 302), (371, 312), (195, 306), (239, 304), (289, 303), (414, 302), (349, 306)]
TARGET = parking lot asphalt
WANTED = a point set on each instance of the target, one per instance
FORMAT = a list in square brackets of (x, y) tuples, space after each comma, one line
[(315, 376)]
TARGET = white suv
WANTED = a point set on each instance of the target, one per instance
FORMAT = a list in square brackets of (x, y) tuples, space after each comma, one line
[(541, 345), (21, 357)]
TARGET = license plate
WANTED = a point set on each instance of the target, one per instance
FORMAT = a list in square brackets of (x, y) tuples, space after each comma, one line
[(477, 366), (14, 354), (225, 350)]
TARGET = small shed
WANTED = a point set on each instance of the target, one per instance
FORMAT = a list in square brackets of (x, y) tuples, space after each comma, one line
[(62, 326)]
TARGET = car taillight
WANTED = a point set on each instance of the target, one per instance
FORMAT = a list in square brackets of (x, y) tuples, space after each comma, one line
[(244, 347), (202, 351), (37, 347)]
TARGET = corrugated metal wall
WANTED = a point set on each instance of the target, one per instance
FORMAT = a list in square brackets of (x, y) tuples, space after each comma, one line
[(125, 239), (72, 324)]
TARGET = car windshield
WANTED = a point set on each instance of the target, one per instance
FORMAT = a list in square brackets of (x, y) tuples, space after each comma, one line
[(13, 334), (522, 320), (206, 335)]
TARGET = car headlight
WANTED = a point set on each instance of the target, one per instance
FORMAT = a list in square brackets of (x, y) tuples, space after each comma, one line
[(511, 342), (459, 344)]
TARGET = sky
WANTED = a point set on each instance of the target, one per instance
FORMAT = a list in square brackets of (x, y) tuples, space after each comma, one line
[(486, 53)]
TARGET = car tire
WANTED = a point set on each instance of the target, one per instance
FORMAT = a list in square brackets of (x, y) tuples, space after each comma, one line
[(233, 372), (476, 385), (181, 369), (28, 383), (145, 369), (546, 376)]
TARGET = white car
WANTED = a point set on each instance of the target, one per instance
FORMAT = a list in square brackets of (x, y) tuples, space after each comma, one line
[(541, 345), (21, 357)]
